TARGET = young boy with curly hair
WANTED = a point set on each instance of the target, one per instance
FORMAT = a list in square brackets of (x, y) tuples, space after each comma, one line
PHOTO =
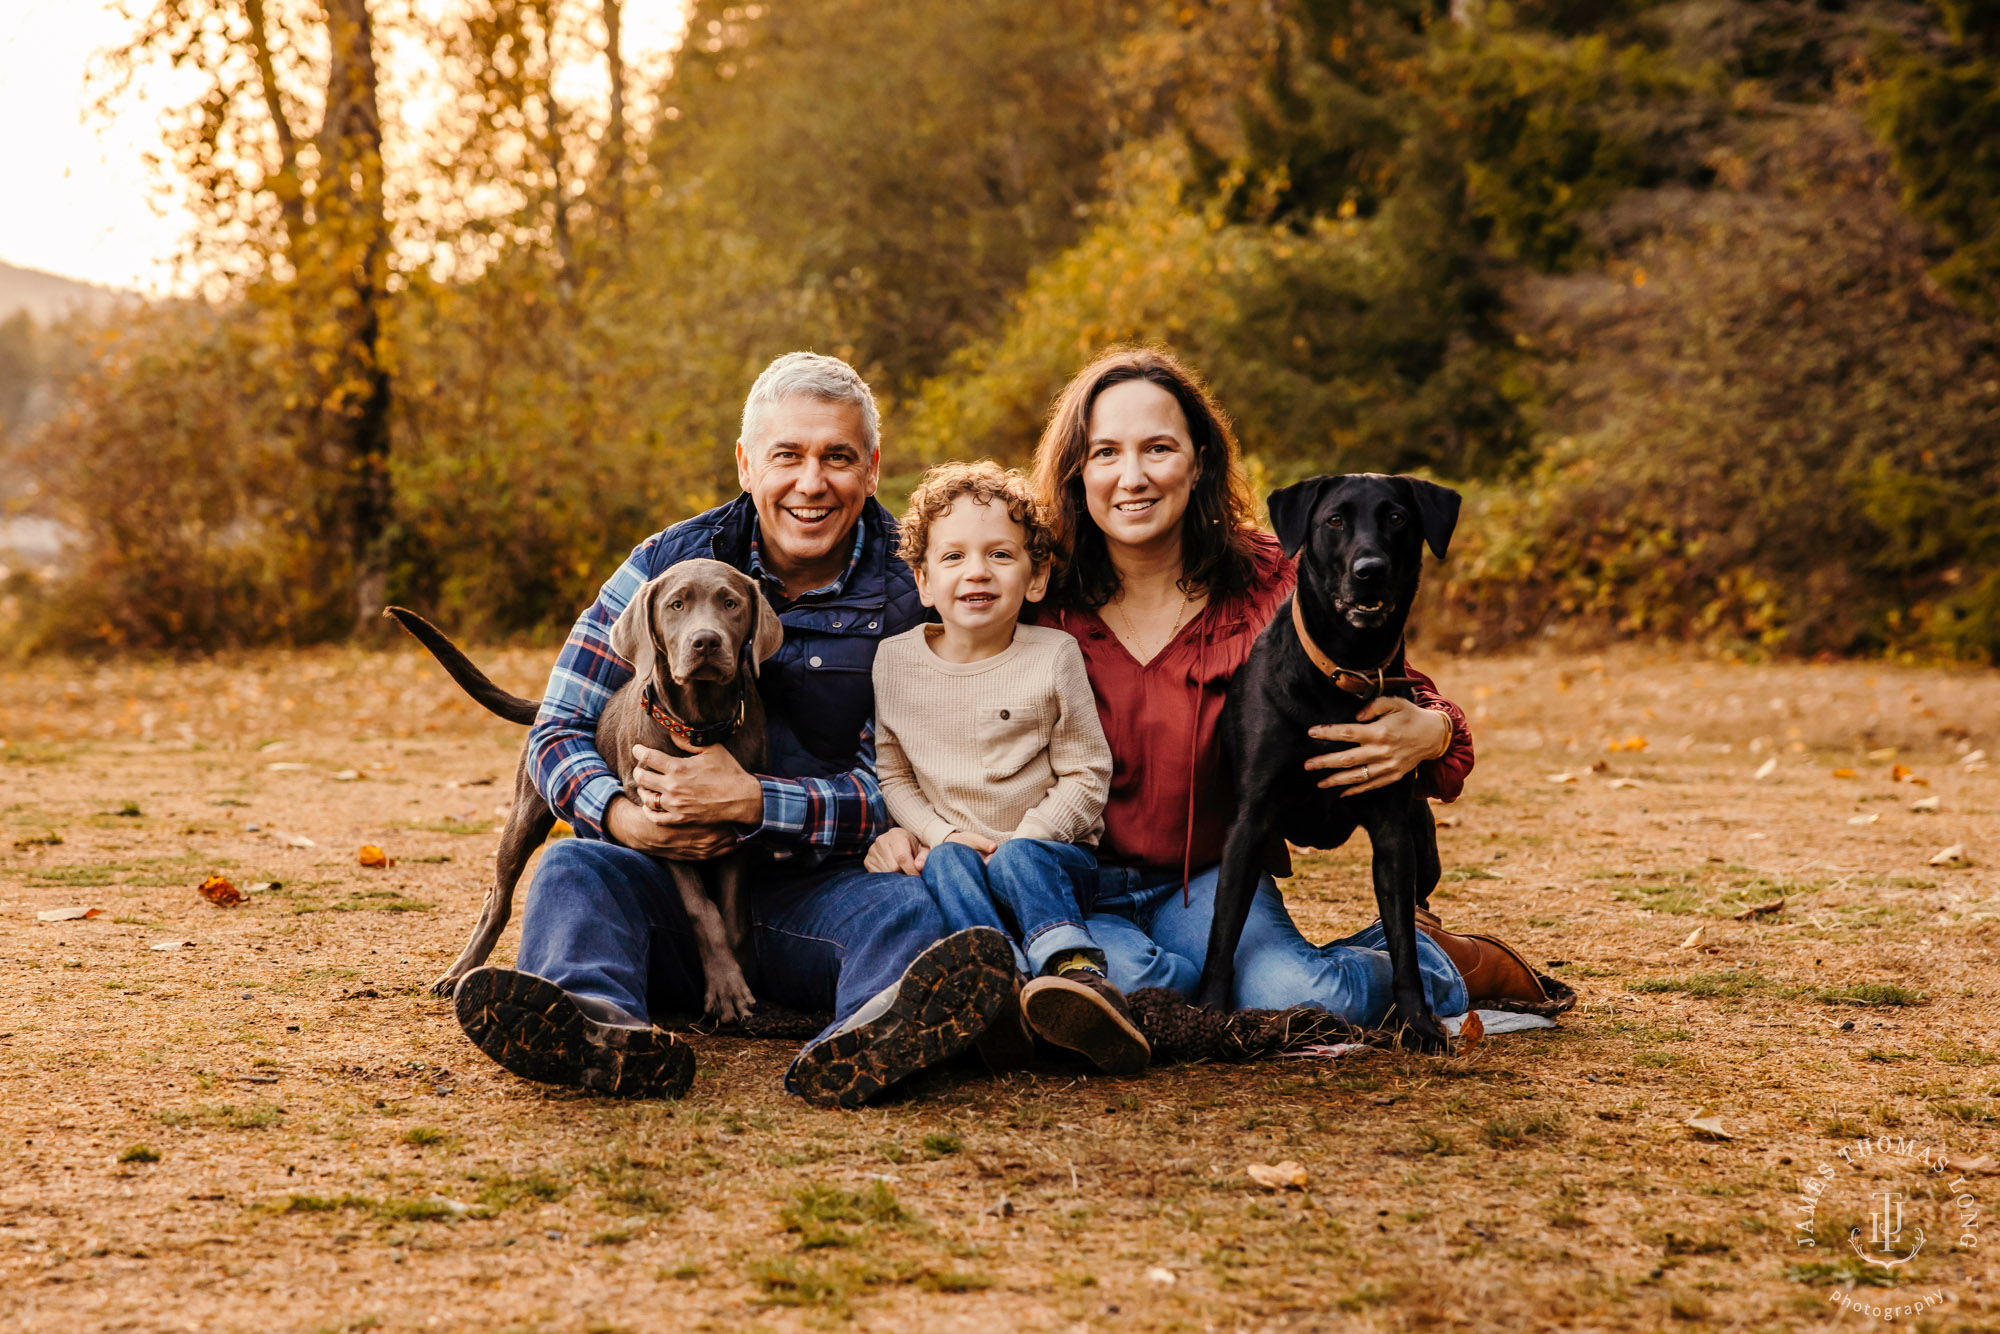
[(993, 763)]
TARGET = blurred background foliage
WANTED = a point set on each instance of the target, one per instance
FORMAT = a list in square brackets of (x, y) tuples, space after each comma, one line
[(1696, 300)]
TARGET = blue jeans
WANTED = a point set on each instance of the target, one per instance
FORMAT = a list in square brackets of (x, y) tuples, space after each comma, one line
[(606, 924), (1027, 890), (1153, 939)]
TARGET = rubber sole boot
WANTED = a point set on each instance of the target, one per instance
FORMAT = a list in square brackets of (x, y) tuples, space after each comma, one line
[(1090, 1018), (534, 1028), (940, 1006)]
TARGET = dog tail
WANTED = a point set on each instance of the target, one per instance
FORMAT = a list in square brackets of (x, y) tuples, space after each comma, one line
[(475, 682)]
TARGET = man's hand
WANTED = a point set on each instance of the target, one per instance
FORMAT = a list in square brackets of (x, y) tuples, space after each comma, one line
[(1392, 737), (897, 850), (689, 807)]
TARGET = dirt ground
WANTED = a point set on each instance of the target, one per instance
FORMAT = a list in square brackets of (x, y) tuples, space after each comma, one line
[(274, 1127)]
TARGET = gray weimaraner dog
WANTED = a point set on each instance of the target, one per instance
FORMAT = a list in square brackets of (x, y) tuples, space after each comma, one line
[(694, 636)]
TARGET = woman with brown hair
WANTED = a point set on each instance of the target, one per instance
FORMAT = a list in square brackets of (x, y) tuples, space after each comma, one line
[(1166, 583)]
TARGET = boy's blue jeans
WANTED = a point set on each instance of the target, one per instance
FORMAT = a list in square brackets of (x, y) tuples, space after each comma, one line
[(1028, 890), (1154, 939)]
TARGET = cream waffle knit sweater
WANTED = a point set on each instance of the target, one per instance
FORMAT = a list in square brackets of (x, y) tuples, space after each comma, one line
[(1006, 747)]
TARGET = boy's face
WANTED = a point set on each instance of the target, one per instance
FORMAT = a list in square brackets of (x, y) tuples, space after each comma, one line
[(976, 570)]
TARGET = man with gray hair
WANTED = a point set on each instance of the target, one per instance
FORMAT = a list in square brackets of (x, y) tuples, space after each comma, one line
[(605, 943)]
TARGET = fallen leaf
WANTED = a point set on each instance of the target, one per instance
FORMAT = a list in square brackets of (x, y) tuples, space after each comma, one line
[(171, 945), (1287, 1175), (562, 830), (1976, 767), (1601, 767), (1869, 818), (1918, 780), (1843, 773), (263, 886), (285, 767), (1951, 856), (1973, 757), (347, 775), (1709, 1126), (1617, 783), (1766, 769), (1562, 778), (1469, 1033), (293, 840), (1756, 910), (1885, 753), (374, 857), (1927, 805), (1694, 938), (1982, 1166), (1447, 822), (1634, 743), (1900, 774), (220, 892), (68, 914), (1164, 1277)]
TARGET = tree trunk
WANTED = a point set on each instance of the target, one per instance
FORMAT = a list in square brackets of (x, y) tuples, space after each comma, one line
[(615, 150), (349, 269)]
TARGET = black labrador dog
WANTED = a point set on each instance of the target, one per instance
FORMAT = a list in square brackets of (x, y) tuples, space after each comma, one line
[(1335, 645)]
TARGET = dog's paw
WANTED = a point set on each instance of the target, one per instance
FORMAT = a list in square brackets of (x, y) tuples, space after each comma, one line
[(1214, 994), (445, 985), (1425, 1034), (729, 1002)]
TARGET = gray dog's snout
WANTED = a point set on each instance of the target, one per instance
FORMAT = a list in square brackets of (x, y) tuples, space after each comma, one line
[(705, 641)]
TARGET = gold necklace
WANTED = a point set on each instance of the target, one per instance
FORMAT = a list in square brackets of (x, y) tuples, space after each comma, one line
[(1187, 601)]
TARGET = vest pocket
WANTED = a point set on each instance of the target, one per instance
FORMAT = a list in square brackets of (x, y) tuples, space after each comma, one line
[(1009, 737)]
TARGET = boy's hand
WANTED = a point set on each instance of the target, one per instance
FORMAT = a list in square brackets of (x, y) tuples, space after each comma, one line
[(985, 847), (897, 850)]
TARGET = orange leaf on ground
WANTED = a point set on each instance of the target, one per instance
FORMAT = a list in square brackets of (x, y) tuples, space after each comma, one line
[(67, 914), (562, 830), (1900, 774), (1470, 1032), (1843, 773), (220, 892), (1287, 1175), (375, 857)]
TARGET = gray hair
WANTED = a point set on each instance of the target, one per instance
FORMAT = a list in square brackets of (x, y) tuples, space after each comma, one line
[(828, 379)]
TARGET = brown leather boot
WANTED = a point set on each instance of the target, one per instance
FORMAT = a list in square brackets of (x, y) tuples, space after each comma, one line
[(1493, 970)]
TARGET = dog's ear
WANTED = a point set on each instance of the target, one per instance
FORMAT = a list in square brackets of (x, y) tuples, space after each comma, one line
[(1292, 511), (632, 632), (1437, 511), (769, 636)]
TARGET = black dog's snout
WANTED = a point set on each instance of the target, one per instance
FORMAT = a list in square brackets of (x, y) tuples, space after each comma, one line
[(1369, 569)]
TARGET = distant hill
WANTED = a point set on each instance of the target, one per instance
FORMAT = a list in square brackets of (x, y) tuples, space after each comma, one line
[(47, 296)]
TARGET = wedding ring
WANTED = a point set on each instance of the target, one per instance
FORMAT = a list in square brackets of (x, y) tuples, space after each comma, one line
[(1364, 773)]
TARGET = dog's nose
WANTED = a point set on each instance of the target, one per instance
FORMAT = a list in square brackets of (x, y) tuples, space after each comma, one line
[(705, 641), (1367, 569)]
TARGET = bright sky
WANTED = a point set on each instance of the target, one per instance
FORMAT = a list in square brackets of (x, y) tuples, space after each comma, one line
[(79, 199)]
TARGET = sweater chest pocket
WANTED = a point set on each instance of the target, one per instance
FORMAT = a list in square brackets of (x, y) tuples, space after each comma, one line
[(1009, 737)]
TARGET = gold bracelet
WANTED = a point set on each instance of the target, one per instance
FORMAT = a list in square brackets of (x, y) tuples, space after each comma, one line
[(1450, 733)]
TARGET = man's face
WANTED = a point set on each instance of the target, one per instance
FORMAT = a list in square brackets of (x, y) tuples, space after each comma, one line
[(808, 475)]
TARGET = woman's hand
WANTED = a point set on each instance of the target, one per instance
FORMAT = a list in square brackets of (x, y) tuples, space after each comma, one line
[(1392, 737), (897, 850)]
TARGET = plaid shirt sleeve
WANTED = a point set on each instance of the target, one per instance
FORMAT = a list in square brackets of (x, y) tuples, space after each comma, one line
[(562, 744), (844, 813)]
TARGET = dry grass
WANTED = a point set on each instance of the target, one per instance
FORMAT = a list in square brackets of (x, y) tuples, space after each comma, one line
[(277, 1129)]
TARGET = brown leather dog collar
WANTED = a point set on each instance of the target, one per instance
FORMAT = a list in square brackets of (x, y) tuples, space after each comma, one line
[(688, 733), (1366, 685)]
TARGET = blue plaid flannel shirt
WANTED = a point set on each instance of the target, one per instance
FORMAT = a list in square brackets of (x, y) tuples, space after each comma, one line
[(844, 813)]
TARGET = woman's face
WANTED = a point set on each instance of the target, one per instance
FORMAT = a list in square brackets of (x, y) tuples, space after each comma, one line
[(1139, 465)]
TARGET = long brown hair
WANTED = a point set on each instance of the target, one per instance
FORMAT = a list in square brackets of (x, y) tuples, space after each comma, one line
[(1216, 530)]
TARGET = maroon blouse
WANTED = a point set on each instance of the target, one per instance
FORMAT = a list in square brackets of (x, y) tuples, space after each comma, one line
[(1170, 803)]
